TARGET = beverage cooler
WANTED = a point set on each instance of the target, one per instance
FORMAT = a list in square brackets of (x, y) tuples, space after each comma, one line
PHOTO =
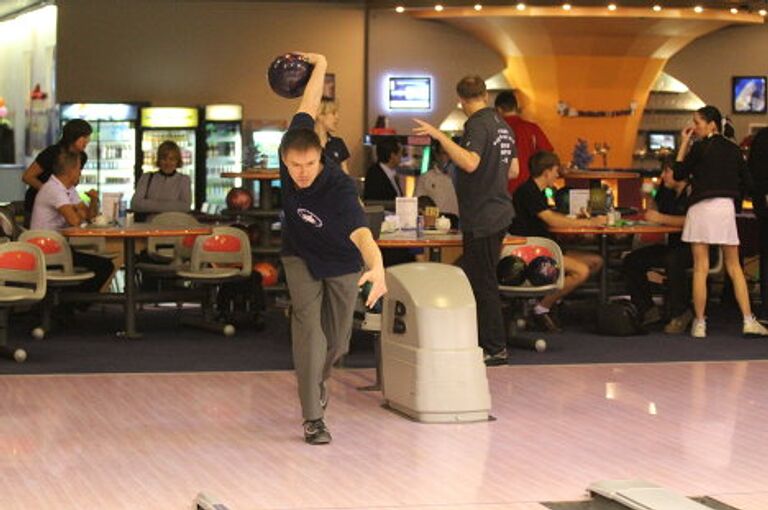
[(113, 153), (179, 125), (223, 149)]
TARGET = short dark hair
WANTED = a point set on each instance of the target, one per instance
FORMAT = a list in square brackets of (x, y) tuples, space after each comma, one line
[(300, 139), (65, 160), (668, 161), (471, 87), (74, 129), (386, 147), (541, 161), (506, 101)]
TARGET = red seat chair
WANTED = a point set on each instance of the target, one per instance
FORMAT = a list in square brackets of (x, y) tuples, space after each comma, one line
[(60, 272), (223, 256)]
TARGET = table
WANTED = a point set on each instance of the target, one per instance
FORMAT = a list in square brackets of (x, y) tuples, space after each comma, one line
[(604, 233), (433, 242), (129, 236)]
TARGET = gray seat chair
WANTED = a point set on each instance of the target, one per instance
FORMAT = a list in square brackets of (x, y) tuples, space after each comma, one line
[(22, 282)]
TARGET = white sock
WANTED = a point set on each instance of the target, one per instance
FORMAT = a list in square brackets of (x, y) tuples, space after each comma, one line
[(538, 309), (749, 319)]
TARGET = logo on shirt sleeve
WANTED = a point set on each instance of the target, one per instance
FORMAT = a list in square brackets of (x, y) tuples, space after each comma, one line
[(309, 217)]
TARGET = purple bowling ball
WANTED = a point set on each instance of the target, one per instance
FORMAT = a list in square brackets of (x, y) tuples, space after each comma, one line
[(288, 75), (542, 270)]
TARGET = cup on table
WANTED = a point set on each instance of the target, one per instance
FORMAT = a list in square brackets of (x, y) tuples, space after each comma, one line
[(100, 220), (430, 216), (443, 224)]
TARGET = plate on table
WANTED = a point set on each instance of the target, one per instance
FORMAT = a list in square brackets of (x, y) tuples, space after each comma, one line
[(435, 232)]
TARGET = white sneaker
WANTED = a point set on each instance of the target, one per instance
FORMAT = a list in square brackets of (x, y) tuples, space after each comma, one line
[(753, 328), (699, 328)]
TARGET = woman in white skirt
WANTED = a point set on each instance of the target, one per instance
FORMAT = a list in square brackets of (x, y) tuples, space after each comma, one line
[(715, 168)]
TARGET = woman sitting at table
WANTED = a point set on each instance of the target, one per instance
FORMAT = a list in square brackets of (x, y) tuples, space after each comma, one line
[(534, 218), (165, 190), (668, 207), (716, 170)]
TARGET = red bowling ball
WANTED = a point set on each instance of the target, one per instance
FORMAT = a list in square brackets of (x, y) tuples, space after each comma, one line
[(239, 199), (268, 273)]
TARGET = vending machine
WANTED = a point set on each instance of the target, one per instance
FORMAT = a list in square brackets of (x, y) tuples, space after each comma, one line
[(180, 125), (113, 153), (223, 149)]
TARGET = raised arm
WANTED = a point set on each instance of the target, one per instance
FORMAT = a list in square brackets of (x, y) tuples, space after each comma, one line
[(313, 92), (461, 157)]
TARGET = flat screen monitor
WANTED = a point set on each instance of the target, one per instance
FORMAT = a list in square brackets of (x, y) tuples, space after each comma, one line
[(267, 143), (658, 140), (410, 93), (749, 94)]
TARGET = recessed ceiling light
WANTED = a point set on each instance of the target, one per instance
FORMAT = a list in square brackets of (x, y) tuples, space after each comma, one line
[(478, 7), (399, 9), (657, 8), (439, 8), (611, 7), (521, 6), (698, 9), (734, 10), (567, 7)]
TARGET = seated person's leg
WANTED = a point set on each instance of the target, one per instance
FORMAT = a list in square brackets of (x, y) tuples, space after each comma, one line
[(677, 261), (593, 260), (635, 267), (576, 273), (102, 266)]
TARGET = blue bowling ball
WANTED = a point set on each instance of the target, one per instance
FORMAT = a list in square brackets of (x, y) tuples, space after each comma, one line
[(542, 270), (288, 75)]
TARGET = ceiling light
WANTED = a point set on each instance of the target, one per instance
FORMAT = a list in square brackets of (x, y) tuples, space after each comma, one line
[(399, 9), (611, 7), (566, 7), (698, 9), (657, 8), (762, 12), (439, 8), (734, 10), (478, 7), (521, 6)]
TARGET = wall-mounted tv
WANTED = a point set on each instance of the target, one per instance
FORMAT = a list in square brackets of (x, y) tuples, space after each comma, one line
[(749, 94), (410, 93), (658, 140)]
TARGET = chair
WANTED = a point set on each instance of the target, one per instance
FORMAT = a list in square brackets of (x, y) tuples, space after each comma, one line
[(22, 282), (520, 294), (168, 255), (9, 228), (223, 256), (60, 271)]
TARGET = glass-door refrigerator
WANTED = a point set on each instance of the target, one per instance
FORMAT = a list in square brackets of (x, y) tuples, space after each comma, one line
[(179, 125), (113, 153), (223, 149)]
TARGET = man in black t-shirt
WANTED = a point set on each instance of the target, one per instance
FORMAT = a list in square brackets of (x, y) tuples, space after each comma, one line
[(533, 218), (668, 208), (325, 233), (486, 159)]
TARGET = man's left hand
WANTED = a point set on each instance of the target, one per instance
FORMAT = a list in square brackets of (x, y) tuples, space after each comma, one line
[(424, 128)]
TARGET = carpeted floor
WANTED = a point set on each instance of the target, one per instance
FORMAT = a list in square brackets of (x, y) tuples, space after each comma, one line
[(87, 344)]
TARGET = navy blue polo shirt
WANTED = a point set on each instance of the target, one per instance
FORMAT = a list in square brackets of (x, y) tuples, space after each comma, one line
[(319, 219)]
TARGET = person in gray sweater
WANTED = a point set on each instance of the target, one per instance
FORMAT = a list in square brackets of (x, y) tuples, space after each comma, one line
[(167, 189)]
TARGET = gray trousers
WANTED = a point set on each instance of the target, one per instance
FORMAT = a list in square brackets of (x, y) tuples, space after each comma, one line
[(321, 327)]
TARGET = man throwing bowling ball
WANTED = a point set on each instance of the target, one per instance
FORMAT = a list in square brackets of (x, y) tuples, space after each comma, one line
[(325, 233)]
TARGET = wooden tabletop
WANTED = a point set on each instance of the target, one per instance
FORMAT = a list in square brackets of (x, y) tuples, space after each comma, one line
[(431, 240), (254, 175), (136, 230), (598, 174), (626, 229)]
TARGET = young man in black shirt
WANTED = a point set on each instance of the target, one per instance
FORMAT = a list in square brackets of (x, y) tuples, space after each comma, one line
[(325, 233), (668, 208), (486, 158), (534, 217)]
